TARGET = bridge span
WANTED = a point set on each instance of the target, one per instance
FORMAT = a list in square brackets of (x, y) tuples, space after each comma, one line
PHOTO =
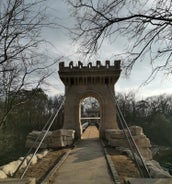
[(86, 163)]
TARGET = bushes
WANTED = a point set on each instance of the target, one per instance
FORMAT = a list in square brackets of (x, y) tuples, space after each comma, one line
[(11, 145), (33, 111), (154, 114)]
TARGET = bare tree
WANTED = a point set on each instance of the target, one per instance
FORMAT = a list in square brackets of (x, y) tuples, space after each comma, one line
[(22, 63), (146, 24)]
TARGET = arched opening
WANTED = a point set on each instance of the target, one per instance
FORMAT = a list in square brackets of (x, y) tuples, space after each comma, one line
[(90, 116), (90, 82)]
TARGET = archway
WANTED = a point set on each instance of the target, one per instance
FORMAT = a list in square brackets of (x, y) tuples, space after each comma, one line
[(84, 81), (90, 113)]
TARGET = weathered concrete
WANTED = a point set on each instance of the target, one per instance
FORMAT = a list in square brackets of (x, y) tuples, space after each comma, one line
[(83, 81), (18, 181), (147, 181), (86, 164)]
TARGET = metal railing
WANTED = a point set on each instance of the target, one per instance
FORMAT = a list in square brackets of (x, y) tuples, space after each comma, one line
[(143, 170), (43, 132)]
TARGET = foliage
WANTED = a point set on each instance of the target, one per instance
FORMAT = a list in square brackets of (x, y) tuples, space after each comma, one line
[(154, 114), (12, 145), (33, 110), (32, 113)]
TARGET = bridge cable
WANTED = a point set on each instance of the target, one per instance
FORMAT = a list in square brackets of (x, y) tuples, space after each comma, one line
[(51, 123), (130, 144), (129, 137), (44, 130), (35, 142), (134, 144)]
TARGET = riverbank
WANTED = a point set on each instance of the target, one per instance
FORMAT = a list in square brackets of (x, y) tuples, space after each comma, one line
[(163, 155)]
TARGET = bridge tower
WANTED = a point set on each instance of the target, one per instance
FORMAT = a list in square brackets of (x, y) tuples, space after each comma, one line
[(84, 81)]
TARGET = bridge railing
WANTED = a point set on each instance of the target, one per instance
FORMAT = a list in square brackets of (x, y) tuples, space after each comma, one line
[(131, 142), (44, 132)]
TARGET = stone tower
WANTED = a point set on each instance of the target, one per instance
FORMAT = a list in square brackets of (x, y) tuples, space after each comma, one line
[(85, 81)]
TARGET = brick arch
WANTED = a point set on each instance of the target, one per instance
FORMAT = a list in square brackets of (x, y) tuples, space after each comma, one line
[(97, 81)]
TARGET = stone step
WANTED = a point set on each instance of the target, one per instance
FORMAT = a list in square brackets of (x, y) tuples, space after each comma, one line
[(148, 181)]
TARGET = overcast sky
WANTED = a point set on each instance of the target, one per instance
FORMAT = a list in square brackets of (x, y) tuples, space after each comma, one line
[(63, 46)]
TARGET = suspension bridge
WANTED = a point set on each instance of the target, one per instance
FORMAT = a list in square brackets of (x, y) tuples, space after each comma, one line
[(89, 161)]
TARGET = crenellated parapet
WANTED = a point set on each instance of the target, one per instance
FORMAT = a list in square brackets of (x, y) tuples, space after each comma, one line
[(89, 74), (89, 66)]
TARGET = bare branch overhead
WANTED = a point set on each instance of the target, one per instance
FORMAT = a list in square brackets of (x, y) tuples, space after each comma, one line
[(146, 25)]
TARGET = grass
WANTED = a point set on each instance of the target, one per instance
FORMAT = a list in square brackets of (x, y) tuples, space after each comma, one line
[(123, 164), (43, 166)]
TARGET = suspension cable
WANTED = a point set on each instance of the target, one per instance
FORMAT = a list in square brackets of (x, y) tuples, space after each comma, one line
[(51, 123), (134, 143), (129, 136), (33, 145), (44, 130), (129, 143)]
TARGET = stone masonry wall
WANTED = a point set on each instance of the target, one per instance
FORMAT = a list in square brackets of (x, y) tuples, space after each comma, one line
[(117, 138), (54, 139)]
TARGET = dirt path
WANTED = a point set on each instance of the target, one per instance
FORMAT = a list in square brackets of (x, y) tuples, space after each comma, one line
[(90, 132)]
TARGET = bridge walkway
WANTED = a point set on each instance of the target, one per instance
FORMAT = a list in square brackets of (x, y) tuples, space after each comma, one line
[(85, 164)]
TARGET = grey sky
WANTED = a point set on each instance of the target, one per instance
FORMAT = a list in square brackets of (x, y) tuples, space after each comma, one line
[(63, 46)]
